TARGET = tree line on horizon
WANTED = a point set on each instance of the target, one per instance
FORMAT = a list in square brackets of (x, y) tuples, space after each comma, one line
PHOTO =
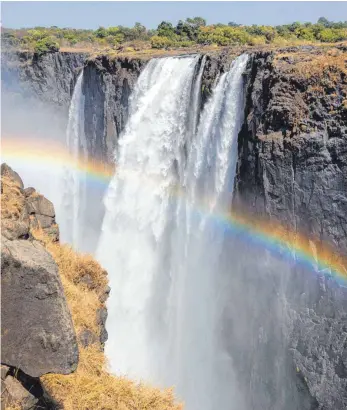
[(187, 33)]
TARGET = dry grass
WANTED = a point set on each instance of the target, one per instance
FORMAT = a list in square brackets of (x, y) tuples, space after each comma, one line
[(332, 65), (12, 199), (13, 406), (91, 386), (324, 61)]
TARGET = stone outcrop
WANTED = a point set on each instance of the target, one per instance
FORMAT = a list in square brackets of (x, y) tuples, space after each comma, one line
[(37, 331), (37, 334), (23, 391), (24, 210)]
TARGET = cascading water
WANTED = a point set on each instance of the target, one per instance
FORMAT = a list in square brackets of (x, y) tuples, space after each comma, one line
[(138, 206), (72, 209), (203, 372), (162, 309)]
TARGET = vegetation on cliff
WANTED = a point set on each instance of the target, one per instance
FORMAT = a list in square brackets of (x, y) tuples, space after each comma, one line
[(192, 31)]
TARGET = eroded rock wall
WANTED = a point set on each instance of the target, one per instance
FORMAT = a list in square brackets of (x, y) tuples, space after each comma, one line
[(292, 170)]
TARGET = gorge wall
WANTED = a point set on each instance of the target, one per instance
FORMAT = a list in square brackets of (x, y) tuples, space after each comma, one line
[(292, 169)]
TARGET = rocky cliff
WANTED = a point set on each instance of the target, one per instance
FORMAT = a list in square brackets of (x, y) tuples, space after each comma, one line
[(37, 334), (51, 77), (292, 169)]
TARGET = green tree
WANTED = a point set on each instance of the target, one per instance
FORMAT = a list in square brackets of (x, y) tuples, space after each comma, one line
[(101, 32), (324, 22), (166, 29), (196, 22), (46, 45)]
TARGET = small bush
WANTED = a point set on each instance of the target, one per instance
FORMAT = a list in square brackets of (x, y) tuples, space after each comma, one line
[(161, 42), (46, 45), (257, 41)]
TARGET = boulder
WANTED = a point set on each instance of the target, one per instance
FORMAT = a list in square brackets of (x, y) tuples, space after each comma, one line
[(37, 330), (8, 172), (38, 204), (14, 393), (20, 389)]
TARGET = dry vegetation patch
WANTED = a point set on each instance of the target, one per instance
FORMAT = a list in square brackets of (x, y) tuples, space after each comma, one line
[(91, 387), (12, 199), (330, 62)]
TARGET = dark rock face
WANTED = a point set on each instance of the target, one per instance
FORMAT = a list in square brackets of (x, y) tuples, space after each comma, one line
[(292, 169), (51, 77), (37, 330), (107, 85), (293, 163)]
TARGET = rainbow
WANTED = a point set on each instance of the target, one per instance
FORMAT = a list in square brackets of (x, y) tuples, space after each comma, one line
[(53, 154), (279, 240)]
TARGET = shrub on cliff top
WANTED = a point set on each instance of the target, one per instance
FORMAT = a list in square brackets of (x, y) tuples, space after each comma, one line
[(46, 45)]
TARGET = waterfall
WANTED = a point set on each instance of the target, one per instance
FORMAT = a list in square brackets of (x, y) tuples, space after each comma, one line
[(158, 243), (73, 204), (203, 373)]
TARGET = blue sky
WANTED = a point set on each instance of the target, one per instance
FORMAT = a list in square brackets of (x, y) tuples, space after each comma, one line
[(95, 14)]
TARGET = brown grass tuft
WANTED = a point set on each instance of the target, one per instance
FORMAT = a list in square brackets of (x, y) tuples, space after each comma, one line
[(91, 387), (12, 199)]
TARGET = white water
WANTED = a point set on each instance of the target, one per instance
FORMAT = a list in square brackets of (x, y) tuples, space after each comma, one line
[(160, 253), (71, 210)]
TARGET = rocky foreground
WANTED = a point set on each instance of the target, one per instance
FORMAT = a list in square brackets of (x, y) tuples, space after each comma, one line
[(53, 316)]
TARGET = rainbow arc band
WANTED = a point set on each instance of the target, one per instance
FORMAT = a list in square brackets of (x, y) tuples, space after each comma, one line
[(294, 246)]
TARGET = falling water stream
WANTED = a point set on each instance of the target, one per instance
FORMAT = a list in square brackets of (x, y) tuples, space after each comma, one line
[(160, 253), (74, 199)]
